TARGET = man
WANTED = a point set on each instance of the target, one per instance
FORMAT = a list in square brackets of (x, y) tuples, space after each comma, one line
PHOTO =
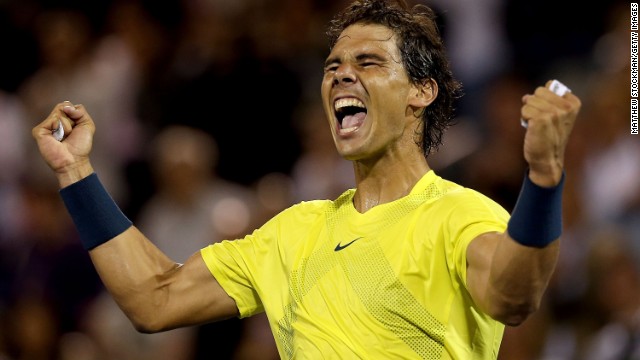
[(406, 265)]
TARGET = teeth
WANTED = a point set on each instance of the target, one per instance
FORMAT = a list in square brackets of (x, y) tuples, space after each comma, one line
[(340, 103)]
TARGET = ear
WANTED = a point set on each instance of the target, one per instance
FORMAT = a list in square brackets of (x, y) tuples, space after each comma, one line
[(423, 94)]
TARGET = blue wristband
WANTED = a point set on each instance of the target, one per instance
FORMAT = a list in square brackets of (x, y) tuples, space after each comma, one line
[(97, 217), (536, 220)]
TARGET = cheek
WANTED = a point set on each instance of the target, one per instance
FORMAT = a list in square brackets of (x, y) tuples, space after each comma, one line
[(327, 81), (393, 104), (393, 87), (325, 90)]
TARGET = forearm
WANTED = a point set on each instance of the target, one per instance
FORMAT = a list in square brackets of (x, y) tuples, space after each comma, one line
[(138, 276)]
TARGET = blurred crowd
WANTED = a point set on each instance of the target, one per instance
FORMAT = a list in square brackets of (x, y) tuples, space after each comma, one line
[(209, 122)]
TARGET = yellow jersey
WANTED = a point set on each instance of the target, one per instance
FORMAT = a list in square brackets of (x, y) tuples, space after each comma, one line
[(386, 284)]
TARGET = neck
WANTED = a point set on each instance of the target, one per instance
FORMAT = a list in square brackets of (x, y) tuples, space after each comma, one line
[(382, 183)]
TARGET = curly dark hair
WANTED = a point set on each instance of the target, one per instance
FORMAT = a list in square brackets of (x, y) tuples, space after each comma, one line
[(423, 55)]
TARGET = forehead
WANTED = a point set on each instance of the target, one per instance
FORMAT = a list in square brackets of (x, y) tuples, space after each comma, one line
[(366, 37)]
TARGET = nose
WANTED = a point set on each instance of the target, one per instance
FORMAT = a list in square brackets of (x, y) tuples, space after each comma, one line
[(344, 74)]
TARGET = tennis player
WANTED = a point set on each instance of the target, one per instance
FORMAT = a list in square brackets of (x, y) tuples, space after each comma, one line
[(406, 265)]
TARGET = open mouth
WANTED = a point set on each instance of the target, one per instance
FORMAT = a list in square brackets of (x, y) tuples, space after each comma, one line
[(350, 113)]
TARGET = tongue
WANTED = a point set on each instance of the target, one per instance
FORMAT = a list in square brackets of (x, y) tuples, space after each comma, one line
[(353, 120)]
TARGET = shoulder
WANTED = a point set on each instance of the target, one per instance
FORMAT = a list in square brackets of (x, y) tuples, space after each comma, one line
[(303, 211), (320, 206), (460, 198)]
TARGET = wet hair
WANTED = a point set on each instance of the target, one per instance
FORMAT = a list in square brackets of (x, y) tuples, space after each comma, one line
[(423, 55)]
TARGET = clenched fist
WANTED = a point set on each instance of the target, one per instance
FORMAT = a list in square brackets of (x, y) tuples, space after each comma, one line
[(68, 158), (550, 119)]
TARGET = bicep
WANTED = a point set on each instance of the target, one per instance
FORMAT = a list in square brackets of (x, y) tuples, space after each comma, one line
[(480, 254), (196, 296), (506, 279)]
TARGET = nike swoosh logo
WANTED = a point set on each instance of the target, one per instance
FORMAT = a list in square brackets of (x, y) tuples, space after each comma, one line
[(340, 247)]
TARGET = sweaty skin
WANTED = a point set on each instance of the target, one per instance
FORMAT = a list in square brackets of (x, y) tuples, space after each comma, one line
[(505, 279), (365, 64)]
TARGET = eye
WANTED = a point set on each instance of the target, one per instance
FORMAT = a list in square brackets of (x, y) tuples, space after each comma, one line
[(330, 68)]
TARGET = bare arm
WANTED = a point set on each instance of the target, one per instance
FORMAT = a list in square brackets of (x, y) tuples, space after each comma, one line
[(155, 292), (505, 278)]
